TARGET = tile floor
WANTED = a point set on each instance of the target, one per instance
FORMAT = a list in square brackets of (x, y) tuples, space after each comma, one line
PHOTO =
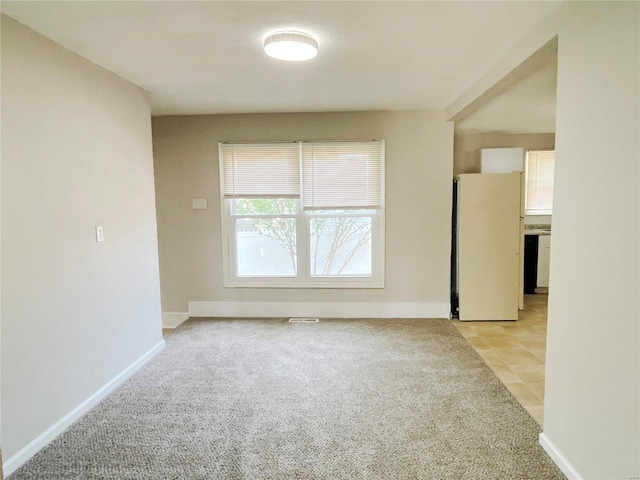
[(515, 351)]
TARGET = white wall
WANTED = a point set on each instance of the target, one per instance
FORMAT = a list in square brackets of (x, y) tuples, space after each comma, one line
[(592, 402), (592, 414), (76, 153), (419, 160)]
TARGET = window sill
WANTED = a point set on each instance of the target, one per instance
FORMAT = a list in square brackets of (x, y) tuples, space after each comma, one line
[(332, 283)]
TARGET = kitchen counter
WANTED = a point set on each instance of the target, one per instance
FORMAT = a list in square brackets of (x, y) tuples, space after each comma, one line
[(537, 229)]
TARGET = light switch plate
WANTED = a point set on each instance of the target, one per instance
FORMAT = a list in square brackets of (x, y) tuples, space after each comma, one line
[(99, 234), (199, 203)]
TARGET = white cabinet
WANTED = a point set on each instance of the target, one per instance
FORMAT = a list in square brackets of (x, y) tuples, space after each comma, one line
[(544, 248), (502, 160)]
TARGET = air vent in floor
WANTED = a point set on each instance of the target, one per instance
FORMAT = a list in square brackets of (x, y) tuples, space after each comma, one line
[(303, 320)]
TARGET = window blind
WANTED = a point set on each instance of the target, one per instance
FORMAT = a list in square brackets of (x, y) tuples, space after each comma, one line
[(260, 170), (540, 170), (342, 175)]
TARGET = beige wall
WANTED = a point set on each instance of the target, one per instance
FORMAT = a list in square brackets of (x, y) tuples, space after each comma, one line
[(467, 146), (592, 414), (76, 153), (592, 402), (1, 462), (419, 157)]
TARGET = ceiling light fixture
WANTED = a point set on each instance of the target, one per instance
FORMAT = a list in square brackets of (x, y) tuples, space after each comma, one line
[(290, 46)]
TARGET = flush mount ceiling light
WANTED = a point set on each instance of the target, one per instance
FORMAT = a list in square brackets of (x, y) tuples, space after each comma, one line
[(290, 46)]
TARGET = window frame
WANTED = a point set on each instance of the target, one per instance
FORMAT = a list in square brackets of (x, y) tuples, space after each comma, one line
[(303, 278)]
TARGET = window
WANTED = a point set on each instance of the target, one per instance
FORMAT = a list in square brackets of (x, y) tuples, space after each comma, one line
[(539, 197), (303, 214)]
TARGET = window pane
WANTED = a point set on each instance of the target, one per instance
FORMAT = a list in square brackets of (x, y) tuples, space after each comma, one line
[(340, 246), (266, 247), (264, 206)]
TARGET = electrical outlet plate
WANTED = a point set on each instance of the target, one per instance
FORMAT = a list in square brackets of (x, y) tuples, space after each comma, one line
[(199, 203)]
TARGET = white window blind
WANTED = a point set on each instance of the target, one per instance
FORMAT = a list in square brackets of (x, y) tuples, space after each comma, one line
[(342, 175), (540, 170), (260, 170)]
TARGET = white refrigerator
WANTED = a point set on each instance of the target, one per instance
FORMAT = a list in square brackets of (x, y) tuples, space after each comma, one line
[(488, 246)]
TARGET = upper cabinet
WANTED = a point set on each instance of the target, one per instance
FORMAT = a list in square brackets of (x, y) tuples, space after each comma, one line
[(501, 160)]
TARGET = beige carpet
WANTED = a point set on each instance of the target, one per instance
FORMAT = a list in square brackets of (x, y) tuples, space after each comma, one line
[(341, 399)]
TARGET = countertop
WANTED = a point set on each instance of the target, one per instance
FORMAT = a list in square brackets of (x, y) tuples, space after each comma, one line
[(537, 229)]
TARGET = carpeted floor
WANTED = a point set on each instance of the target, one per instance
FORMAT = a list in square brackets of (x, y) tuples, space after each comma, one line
[(340, 399)]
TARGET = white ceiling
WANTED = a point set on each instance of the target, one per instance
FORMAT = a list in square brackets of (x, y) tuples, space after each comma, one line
[(207, 57), (528, 105)]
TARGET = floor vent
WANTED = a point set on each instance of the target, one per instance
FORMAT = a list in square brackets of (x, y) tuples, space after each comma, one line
[(303, 320)]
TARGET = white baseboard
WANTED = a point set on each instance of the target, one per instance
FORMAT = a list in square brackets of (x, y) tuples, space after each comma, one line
[(319, 309), (173, 319), (559, 459), (12, 463)]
